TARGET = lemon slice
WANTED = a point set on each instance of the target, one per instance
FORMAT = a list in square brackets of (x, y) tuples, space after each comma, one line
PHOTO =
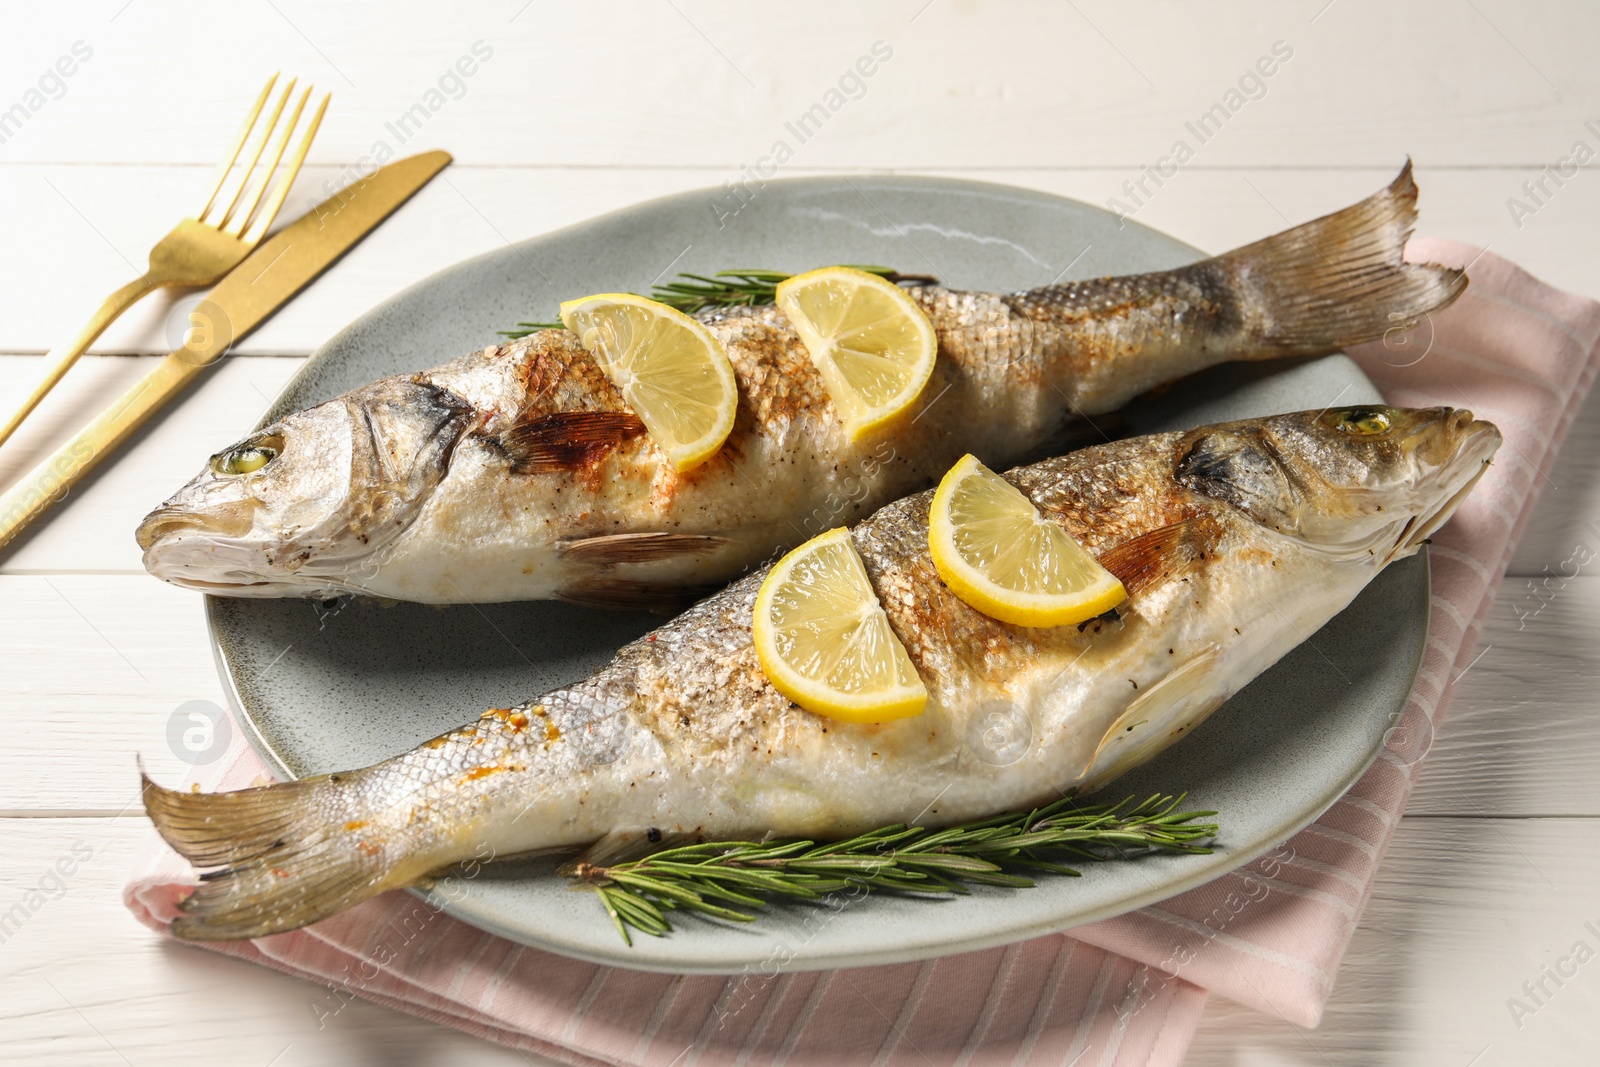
[(996, 552), (671, 371), (871, 342), (824, 641)]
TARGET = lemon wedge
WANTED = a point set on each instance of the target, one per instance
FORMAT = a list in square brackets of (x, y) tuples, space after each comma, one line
[(870, 341), (996, 552), (824, 640), (671, 371)]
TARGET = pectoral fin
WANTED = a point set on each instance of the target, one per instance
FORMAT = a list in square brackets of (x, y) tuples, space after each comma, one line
[(1162, 554), (609, 550), (1163, 714), (625, 846), (567, 440)]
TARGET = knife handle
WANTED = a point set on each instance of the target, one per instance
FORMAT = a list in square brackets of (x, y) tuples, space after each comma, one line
[(50, 480)]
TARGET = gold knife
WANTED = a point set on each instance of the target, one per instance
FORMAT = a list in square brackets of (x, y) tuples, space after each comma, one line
[(278, 269)]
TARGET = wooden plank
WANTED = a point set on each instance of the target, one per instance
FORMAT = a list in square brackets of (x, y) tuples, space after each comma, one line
[(1464, 911), (1564, 530), (92, 529), (99, 665), (88, 230), (82, 983), (1522, 736), (638, 83)]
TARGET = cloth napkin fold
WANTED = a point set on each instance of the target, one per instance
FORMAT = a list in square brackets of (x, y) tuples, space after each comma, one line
[(1128, 990)]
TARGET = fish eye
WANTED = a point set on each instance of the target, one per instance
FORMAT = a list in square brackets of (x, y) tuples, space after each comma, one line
[(1361, 422), (249, 456)]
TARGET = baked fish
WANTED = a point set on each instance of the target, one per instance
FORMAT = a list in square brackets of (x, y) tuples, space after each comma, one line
[(1233, 541), (518, 472)]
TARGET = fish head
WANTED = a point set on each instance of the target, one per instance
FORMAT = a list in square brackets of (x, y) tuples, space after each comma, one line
[(305, 506), (1371, 481)]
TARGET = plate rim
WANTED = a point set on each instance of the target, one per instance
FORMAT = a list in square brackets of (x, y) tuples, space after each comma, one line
[(1204, 868)]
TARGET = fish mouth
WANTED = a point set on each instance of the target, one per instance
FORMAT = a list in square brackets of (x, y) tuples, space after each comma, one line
[(1451, 437), (1476, 442), (232, 589), (205, 549), (224, 569), (223, 520)]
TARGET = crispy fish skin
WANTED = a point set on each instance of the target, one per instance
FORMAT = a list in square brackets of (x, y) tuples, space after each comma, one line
[(518, 472), (1233, 540)]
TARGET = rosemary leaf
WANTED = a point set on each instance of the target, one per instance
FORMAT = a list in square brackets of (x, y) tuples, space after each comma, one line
[(635, 881), (948, 862), (638, 912), (611, 909), (907, 860), (690, 293)]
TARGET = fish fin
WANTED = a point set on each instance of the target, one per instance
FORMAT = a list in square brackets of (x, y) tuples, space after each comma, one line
[(1158, 717), (567, 440), (625, 846), (608, 550), (1341, 279), (1158, 555), (625, 595), (277, 865)]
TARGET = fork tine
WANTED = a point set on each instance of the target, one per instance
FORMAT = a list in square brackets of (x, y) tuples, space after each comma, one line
[(238, 141), (275, 201), (247, 206), (223, 208)]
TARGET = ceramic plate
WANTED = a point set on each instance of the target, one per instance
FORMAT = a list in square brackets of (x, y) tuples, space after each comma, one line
[(324, 690)]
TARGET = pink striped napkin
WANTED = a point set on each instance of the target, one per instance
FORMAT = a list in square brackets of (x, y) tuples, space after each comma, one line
[(1126, 991)]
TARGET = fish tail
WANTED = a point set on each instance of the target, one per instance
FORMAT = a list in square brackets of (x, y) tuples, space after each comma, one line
[(1341, 280), (275, 857)]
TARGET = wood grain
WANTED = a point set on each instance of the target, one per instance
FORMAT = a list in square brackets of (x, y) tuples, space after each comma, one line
[(82, 983), (1030, 82), (1463, 912)]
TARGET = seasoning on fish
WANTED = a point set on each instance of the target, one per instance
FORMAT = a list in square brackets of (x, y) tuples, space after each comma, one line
[(520, 473), (1231, 540)]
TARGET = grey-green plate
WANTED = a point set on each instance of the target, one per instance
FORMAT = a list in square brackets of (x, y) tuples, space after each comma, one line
[(326, 690)]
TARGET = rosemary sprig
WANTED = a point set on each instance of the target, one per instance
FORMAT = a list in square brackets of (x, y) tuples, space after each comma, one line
[(726, 288), (734, 879)]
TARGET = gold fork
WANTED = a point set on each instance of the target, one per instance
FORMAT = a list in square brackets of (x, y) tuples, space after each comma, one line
[(202, 250)]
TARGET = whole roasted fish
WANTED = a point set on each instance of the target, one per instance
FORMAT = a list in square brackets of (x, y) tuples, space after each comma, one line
[(1233, 541), (519, 473)]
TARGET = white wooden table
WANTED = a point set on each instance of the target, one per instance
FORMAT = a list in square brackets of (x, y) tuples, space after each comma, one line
[(574, 110)]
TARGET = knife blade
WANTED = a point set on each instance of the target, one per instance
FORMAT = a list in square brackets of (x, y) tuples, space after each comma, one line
[(269, 277)]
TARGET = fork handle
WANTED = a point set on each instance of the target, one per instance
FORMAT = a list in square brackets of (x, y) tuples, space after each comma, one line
[(61, 470), (58, 360)]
